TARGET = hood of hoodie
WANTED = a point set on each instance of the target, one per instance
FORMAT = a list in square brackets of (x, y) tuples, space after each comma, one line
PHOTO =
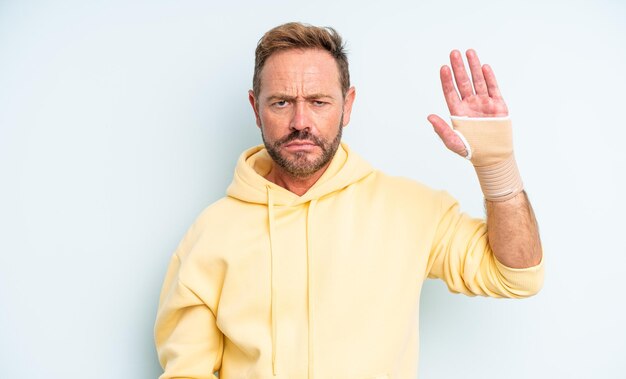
[(249, 184)]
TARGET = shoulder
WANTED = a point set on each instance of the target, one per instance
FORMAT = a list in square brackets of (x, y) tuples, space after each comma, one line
[(404, 202), (218, 221), (409, 193), (223, 212), (403, 186)]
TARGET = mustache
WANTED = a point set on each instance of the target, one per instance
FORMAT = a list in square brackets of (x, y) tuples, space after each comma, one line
[(300, 135)]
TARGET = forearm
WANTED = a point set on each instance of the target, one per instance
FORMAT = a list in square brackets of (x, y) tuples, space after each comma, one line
[(513, 232), (483, 134)]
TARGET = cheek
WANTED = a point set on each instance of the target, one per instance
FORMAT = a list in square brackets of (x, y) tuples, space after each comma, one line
[(331, 121), (273, 125)]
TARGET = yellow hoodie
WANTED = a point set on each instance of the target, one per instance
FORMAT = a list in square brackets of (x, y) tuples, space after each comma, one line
[(268, 284)]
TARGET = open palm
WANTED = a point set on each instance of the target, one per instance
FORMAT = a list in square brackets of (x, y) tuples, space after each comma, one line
[(479, 97)]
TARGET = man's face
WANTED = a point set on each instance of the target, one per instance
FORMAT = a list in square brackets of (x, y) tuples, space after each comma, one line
[(301, 109)]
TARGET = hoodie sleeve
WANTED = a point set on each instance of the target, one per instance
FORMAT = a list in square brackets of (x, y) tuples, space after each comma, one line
[(188, 341), (462, 258)]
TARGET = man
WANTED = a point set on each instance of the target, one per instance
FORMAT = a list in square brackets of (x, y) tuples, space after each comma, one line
[(312, 266)]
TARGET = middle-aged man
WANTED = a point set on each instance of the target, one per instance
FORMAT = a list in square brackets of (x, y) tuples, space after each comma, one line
[(312, 265)]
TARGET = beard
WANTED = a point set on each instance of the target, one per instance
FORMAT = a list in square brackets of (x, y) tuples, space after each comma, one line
[(299, 164)]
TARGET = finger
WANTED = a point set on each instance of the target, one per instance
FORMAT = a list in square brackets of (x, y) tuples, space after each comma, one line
[(449, 90), (477, 73), (460, 75), (492, 84), (449, 137)]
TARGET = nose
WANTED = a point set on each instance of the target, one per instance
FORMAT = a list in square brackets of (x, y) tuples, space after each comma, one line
[(300, 119)]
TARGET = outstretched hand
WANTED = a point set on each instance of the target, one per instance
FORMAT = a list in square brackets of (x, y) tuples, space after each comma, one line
[(477, 98)]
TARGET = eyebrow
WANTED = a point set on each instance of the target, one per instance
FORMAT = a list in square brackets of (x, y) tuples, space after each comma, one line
[(280, 96)]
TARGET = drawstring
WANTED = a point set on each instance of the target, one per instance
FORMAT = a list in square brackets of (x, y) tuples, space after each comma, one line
[(273, 314), (309, 259), (274, 274)]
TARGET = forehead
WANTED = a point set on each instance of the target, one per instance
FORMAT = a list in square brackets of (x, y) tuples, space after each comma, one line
[(300, 71)]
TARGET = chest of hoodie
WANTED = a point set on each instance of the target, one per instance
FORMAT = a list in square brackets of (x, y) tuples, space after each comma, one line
[(341, 251), (343, 268)]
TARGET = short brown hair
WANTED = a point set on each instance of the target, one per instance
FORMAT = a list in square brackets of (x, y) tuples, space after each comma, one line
[(295, 35)]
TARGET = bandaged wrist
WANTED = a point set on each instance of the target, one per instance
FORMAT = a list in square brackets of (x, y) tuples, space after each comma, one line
[(489, 144)]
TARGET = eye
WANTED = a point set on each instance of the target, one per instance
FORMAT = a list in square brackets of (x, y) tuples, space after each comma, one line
[(280, 103), (319, 103)]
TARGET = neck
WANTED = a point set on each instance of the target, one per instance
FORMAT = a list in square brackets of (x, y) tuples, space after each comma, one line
[(293, 184)]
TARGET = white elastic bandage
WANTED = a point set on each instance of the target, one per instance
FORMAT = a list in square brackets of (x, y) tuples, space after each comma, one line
[(468, 148)]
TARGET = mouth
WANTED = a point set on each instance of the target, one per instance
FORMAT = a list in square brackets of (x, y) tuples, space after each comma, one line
[(300, 146), (300, 143)]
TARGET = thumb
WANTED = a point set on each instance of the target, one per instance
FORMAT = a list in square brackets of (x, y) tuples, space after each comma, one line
[(448, 136)]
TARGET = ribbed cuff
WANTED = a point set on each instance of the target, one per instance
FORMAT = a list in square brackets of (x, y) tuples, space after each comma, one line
[(523, 282)]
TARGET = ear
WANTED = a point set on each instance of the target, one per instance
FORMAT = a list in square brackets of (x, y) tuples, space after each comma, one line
[(255, 107), (347, 105)]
